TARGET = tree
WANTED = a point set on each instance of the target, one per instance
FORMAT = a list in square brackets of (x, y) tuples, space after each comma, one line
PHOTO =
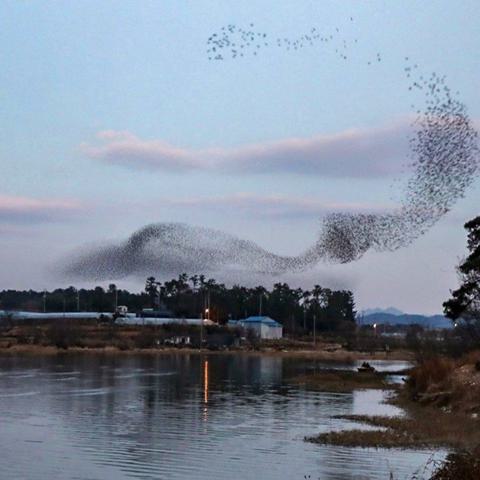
[(183, 281), (261, 294), (284, 305), (195, 281), (464, 305), (151, 288), (306, 303), (189, 297), (113, 292)]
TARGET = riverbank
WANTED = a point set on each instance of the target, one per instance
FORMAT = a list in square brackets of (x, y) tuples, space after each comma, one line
[(318, 353), (441, 401), (88, 338), (343, 381)]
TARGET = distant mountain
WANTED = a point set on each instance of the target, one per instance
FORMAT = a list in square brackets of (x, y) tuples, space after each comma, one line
[(380, 318), (390, 310)]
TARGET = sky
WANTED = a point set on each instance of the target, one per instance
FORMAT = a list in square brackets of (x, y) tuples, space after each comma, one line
[(112, 117)]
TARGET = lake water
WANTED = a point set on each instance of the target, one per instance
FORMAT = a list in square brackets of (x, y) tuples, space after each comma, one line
[(180, 416)]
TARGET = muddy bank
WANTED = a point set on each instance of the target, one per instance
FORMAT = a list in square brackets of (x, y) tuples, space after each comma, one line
[(340, 355), (340, 381), (441, 401), (426, 428), (61, 337)]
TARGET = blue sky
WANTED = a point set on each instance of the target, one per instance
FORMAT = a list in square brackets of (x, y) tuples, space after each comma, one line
[(71, 70)]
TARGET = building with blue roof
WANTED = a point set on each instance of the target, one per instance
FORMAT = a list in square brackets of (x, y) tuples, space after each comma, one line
[(264, 327)]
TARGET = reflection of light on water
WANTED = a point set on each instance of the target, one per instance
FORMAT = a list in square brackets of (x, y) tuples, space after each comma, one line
[(205, 382), (205, 390)]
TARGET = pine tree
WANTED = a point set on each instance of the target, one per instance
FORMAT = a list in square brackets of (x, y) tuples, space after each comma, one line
[(464, 304)]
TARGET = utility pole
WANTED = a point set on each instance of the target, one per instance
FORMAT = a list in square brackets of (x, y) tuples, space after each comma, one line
[(260, 306), (205, 314), (78, 300), (44, 301), (314, 329)]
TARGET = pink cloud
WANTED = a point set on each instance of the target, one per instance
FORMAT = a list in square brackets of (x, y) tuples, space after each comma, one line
[(16, 209), (123, 148), (359, 152)]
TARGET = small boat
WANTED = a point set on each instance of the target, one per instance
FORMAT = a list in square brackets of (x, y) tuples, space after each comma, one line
[(366, 367)]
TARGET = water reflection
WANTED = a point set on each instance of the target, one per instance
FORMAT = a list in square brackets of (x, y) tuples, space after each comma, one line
[(205, 382), (205, 390), (177, 417)]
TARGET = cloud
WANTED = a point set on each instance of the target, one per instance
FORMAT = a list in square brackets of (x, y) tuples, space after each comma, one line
[(21, 210), (353, 153), (273, 206), (123, 148)]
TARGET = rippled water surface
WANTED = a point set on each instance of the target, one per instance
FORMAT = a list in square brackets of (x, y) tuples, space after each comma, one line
[(180, 417)]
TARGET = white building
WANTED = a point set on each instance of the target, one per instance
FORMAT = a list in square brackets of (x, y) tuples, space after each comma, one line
[(264, 327), (125, 318), (134, 320)]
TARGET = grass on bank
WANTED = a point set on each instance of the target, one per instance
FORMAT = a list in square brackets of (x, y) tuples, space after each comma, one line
[(342, 381), (459, 466), (442, 403), (87, 336), (425, 428)]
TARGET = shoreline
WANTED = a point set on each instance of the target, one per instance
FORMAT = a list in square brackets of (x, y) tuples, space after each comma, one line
[(420, 427), (441, 409), (340, 355)]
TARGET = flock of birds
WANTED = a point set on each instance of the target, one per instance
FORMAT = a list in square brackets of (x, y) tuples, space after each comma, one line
[(444, 158), (233, 41)]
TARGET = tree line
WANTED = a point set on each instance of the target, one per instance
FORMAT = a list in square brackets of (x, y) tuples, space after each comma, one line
[(196, 296)]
